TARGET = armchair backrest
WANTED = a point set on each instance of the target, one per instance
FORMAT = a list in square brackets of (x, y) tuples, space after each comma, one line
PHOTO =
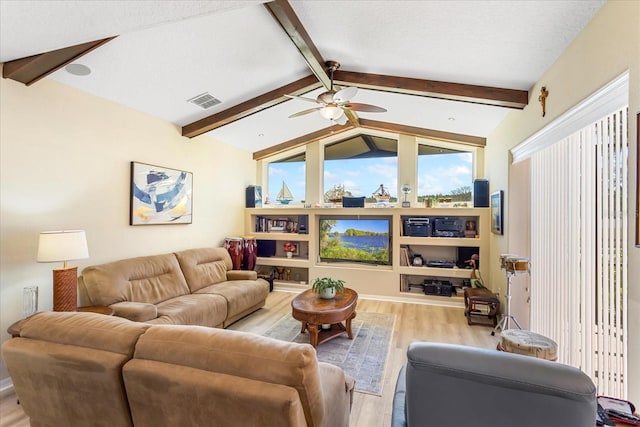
[(450, 384)]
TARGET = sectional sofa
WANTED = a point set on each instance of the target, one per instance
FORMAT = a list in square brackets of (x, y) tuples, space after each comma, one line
[(191, 287), (87, 369)]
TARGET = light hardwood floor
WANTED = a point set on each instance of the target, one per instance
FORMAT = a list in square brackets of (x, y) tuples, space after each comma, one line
[(414, 322)]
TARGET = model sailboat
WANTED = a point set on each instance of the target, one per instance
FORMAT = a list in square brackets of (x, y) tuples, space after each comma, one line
[(284, 196)]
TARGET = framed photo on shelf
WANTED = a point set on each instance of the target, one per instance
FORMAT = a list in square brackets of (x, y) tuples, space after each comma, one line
[(160, 195), (497, 204)]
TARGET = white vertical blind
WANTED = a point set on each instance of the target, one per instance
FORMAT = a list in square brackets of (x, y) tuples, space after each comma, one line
[(578, 257)]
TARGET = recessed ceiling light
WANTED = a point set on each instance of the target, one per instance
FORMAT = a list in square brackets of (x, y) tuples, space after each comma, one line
[(453, 119), (261, 135), (78, 69)]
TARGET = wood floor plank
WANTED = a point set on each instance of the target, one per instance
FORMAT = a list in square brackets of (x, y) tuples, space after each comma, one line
[(414, 322)]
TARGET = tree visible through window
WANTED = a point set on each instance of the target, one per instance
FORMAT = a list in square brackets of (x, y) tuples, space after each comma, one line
[(444, 174)]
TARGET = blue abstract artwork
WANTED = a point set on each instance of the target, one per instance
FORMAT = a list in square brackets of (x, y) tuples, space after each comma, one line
[(160, 195)]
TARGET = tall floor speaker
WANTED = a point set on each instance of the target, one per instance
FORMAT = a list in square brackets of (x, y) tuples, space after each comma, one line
[(481, 193)]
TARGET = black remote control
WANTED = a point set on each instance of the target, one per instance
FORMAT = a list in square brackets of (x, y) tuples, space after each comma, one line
[(603, 419)]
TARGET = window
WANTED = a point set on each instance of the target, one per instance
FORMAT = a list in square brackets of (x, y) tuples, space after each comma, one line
[(579, 290), (287, 176), (444, 173), (360, 165)]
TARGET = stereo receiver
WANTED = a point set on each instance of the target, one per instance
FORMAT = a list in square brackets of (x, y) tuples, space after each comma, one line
[(448, 227), (418, 227)]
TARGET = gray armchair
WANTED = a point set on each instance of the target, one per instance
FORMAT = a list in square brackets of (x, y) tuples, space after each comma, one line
[(452, 385)]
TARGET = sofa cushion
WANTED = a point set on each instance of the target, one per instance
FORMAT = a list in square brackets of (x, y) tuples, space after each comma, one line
[(239, 294), (204, 266), (66, 368), (135, 311), (240, 354), (193, 397), (150, 279), (204, 309), (90, 330)]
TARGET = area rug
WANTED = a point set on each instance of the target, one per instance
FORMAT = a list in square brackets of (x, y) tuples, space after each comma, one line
[(364, 357)]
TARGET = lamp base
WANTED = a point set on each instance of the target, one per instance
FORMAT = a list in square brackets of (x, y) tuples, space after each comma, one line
[(65, 289)]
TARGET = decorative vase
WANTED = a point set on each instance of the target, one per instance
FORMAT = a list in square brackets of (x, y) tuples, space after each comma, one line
[(289, 254), (328, 293)]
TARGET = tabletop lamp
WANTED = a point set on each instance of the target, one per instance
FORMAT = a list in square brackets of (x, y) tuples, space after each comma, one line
[(66, 245)]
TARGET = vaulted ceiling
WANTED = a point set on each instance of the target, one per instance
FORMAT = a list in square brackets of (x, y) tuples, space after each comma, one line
[(448, 70)]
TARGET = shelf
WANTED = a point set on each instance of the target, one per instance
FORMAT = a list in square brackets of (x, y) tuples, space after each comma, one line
[(368, 279), (439, 241), (458, 273), (294, 237), (283, 262)]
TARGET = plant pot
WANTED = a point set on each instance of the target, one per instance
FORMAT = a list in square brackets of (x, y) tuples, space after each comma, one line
[(328, 293), (289, 254)]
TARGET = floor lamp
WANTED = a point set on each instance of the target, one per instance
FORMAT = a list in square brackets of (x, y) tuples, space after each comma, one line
[(63, 246), (512, 265)]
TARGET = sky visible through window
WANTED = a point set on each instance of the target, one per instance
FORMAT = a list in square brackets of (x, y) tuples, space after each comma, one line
[(437, 174)]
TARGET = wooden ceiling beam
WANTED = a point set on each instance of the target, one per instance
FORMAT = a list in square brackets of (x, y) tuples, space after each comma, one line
[(33, 68), (302, 140), (476, 141), (499, 97), (284, 14), (252, 106)]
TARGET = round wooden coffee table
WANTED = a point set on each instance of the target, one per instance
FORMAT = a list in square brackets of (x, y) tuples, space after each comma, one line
[(314, 312)]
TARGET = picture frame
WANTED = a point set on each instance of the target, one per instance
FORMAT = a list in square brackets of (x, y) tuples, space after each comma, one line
[(497, 207), (160, 195), (638, 180)]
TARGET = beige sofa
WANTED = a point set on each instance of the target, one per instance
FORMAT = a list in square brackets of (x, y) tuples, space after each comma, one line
[(87, 369), (192, 287)]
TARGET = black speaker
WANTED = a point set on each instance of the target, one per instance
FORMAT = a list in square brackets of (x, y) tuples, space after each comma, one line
[(253, 196), (480, 193), (303, 224), (266, 248), (353, 202)]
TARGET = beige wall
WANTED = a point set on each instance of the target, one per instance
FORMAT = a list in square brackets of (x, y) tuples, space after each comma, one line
[(607, 47), (65, 159)]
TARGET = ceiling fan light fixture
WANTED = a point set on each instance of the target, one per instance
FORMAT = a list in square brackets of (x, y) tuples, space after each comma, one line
[(331, 112)]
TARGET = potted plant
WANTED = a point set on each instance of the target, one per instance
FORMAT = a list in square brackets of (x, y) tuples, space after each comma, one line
[(327, 287)]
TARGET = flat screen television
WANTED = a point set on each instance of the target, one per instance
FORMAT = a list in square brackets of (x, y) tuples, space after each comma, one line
[(362, 240)]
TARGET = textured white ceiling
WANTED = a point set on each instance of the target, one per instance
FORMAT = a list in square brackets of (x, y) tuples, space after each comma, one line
[(170, 51)]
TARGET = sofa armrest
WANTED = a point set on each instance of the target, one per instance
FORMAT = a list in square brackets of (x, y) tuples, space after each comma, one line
[(398, 414), (135, 311), (337, 391), (241, 275)]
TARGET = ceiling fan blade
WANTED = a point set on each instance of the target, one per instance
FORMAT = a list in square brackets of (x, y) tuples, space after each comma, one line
[(302, 98), (341, 120), (344, 95), (303, 112), (367, 108)]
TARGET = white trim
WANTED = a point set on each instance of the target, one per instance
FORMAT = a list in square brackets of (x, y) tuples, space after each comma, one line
[(611, 97)]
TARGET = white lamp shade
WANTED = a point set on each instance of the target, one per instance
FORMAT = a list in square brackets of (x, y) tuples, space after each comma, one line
[(331, 112), (65, 245)]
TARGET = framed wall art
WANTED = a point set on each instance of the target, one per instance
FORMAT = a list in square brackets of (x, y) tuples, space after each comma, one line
[(638, 180), (497, 204), (160, 195)]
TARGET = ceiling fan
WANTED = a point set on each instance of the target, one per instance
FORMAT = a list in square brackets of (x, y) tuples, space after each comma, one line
[(333, 103)]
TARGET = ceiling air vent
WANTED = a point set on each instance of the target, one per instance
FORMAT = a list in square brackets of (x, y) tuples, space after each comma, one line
[(204, 100)]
